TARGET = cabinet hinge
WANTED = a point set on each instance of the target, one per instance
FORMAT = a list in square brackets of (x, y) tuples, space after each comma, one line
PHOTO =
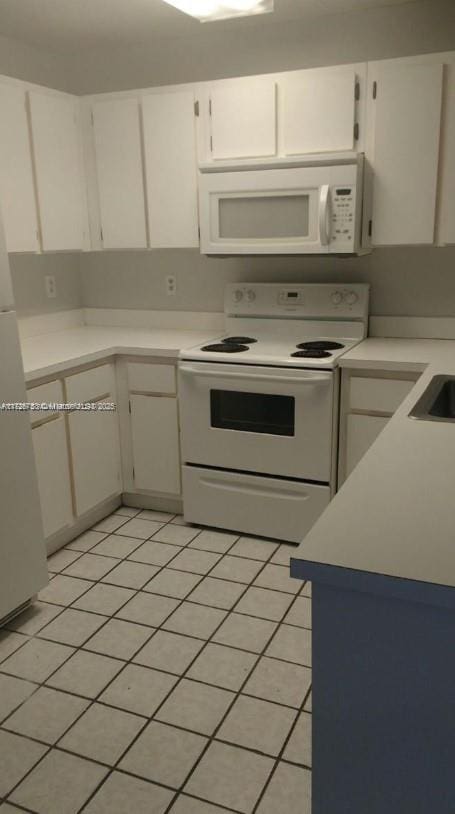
[(375, 89), (357, 91), (356, 131), (370, 228), (196, 108)]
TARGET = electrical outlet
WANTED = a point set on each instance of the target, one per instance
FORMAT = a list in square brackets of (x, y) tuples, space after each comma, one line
[(171, 285), (51, 286)]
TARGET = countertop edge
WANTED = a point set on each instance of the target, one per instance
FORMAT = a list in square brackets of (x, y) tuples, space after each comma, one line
[(393, 587)]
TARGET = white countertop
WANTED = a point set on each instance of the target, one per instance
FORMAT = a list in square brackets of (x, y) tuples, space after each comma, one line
[(51, 353), (395, 514)]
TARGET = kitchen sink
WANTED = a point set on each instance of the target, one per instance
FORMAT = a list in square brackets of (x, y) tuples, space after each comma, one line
[(437, 402)]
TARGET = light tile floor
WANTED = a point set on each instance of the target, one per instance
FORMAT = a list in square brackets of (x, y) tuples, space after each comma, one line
[(164, 670)]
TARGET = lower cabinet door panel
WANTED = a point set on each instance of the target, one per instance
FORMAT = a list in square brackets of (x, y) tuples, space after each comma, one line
[(155, 438), (362, 430), (95, 451), (52, 467), (252, 504)]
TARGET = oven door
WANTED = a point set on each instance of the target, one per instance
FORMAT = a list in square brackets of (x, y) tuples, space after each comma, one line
[(276, 421)]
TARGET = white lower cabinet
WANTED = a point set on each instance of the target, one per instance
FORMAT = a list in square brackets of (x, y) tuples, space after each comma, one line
[(155, 443), (362, 430), (95, 455), (369, 398), (53, 472)]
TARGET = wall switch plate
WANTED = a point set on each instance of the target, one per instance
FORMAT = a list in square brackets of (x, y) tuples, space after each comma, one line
[(171, 285), (51, 286)]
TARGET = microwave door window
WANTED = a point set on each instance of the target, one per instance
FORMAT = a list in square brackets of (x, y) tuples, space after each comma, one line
[(252, 412), (268, 217)]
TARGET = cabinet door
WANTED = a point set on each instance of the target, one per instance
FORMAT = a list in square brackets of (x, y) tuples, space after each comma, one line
[(362, 430), (120, 173), (17, 193), (318, 110), (403, 134), (95, 455), (446, 213), (58, 167), (155, 439), (51, 457), (170, 162), (243, 119)]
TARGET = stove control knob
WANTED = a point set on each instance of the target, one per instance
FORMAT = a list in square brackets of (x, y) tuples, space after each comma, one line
[(250, 295), (237, 295), (336, 297), (351, 297)]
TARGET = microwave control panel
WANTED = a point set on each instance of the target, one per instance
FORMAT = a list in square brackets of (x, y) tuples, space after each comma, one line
[(343, 206)]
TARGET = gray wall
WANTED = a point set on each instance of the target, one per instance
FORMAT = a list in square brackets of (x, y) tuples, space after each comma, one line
[(404, 281), (378, 33), (28, 272)]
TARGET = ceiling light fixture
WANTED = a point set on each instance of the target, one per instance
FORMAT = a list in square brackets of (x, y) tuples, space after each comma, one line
[(207, 10)]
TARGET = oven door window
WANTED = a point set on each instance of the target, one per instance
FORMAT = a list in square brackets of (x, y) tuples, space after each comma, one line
[(252, 412)]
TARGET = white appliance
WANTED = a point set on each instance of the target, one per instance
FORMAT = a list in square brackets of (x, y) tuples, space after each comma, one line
[(23, 569), (259, 407), (320, 207)]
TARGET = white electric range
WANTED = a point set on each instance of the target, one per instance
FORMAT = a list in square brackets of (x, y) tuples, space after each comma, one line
[(259, 407)]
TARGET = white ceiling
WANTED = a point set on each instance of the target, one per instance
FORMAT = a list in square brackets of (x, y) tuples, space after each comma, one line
[(62, 25)]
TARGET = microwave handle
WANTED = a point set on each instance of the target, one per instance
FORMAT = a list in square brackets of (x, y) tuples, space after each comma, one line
[(324, 215)]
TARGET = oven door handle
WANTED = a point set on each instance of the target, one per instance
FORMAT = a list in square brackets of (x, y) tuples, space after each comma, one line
[(261, 377)]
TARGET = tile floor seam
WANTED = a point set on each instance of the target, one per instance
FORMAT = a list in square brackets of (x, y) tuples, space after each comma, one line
[(278, 758)]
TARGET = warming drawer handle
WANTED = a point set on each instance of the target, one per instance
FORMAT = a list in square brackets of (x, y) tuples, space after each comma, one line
[(191, 371), (262, 491)]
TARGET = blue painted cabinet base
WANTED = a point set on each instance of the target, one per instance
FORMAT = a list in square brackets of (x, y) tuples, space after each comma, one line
[(383, 705)]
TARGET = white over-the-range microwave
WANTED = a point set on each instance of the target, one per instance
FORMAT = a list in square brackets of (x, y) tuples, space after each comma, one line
[(317, 206)]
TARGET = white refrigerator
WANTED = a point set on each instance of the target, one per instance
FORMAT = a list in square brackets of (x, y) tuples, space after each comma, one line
[(23, 568)]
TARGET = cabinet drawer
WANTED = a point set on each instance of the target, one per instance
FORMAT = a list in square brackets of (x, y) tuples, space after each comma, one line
[(378, 395), (45, 393), (90, 384), (146, 378)]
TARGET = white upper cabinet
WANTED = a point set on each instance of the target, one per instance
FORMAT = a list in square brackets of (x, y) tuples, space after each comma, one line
[(318, 110), (17, 192), (117, 133), (242, 117), (59, 172), (446, 202), (404, 119), (170, 165)]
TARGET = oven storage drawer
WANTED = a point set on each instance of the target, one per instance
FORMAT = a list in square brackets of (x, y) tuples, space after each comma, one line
[(266, 507)]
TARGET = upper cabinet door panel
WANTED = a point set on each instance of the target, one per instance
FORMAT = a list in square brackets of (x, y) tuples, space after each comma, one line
[(59, 175), (403, 132), (117, 133), (170, 163), (17, 193), (318, 111), (243, 119)]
